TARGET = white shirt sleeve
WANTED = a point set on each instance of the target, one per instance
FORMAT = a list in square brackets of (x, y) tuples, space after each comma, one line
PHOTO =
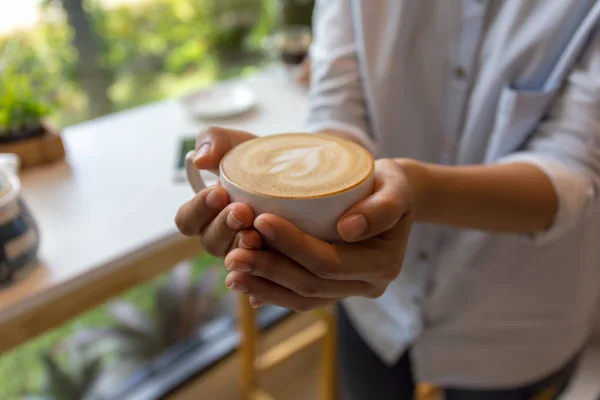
[(566, 146), (575, 193), (336, 98)]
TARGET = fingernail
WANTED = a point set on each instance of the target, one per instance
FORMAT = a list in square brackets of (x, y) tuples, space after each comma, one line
[(233, 222), (255, 303), (264, 228), (247, 246), (244, 244), (202, 151), (238, 266), (352, 227), (212, 200), (238, 287)]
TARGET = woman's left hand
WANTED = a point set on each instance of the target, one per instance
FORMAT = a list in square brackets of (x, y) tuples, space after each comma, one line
[(301, 272)]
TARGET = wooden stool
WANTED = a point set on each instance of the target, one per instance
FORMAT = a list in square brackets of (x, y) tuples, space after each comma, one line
[(253, 363), (425, 391)]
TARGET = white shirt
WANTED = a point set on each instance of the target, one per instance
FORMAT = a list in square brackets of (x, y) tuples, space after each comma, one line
[(472, 82)]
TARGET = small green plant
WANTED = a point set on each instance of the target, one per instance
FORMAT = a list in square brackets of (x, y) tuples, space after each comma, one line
[(23, 93), (75, 382), (21, 106)]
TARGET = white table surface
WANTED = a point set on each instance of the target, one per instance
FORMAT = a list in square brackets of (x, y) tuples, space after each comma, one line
[(115, 195)]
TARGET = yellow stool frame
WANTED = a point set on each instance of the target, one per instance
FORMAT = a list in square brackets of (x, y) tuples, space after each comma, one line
[(253, 363)]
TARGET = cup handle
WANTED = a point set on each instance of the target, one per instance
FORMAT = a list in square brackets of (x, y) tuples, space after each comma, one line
[(193, 174)]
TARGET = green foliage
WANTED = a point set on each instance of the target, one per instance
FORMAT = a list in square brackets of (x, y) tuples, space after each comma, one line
[(148, 47), (230, 23), (36, 68), (26, 93), (21, 106), (74, 382), (152, 37), (296, 12), (22, 370), (182, 305)]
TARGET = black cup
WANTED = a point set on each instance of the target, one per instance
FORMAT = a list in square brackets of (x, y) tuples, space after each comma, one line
[(291, 44)]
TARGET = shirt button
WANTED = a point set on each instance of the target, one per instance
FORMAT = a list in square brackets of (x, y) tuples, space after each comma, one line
[(460, 73), (423, 256)]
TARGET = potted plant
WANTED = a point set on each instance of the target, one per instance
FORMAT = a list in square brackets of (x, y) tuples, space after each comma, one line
[(181, 307), (23, 129)]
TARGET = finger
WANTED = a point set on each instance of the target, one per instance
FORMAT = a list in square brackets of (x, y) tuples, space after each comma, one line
[(219, 235), (341, 262), (268, 292), (246, 239), (281, 270), (255, 303), (193, 217), (379, 260), (380, 211), (315, 255), (214, 142)]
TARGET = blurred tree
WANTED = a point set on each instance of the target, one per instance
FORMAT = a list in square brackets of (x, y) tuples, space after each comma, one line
[(138, 52), (94, 77), (232, 22), (296, 12)]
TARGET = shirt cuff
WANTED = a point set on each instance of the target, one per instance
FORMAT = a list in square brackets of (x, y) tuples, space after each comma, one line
[(361, 136), (575, 194)]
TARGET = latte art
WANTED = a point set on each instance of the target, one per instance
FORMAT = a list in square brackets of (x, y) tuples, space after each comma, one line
[(297, 165), (300, 161)]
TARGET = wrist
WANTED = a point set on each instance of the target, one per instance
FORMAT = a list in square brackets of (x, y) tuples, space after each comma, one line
[(420, 179)]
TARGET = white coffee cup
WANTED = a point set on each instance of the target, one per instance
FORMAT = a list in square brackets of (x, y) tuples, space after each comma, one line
[(316, 216)]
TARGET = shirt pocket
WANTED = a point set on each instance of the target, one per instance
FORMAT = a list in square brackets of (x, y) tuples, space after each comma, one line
[(518, 114)]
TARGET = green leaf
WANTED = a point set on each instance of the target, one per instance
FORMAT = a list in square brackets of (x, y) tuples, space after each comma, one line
[(166, 311), (97, 344), (58, 383), (209, 280), (113, 377), (21, 105), (130, 317), (89, 374), (85, 337)]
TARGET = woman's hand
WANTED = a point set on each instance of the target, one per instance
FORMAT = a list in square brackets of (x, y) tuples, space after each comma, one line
[(221, 226), (301, 272)]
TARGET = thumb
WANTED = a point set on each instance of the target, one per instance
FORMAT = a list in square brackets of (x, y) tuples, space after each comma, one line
[(383, 209), (214, 142)]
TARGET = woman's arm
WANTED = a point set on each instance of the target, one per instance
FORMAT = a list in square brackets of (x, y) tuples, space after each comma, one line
[(544, 189), (512, 198)]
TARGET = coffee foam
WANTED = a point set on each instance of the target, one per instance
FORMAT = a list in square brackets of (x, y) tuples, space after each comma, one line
[(297, 165)]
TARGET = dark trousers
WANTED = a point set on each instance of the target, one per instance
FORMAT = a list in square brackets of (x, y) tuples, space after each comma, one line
[(365, 377)]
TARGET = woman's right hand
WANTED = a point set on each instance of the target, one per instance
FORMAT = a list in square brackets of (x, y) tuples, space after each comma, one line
[(222, 226)]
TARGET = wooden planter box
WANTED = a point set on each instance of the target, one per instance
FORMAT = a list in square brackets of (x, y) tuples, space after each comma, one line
[(40, 150)]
